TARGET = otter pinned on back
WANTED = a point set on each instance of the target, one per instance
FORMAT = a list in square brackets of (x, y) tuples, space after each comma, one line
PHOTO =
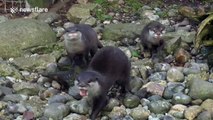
[(81, 41), (109, 66), (151, 36)]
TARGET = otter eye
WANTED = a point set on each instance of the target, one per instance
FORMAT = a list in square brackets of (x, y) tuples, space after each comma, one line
[(91, 80)]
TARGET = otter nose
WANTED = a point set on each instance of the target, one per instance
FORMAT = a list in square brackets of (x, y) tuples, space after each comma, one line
[(82, 84), (158, 33)]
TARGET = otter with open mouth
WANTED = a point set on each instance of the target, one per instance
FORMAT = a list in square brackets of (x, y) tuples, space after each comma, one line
[(108, 67)]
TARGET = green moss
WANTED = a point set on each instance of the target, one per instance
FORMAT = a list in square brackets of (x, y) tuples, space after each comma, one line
[(135, 53), (130, 7), (162, 14), (134, 5), (47, 49), (39, 3)]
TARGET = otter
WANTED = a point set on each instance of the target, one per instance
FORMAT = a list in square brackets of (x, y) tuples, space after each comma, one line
[(151, 37), (108, 67), (80, 41)]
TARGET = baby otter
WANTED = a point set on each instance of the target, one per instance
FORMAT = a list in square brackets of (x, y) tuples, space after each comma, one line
[(151, 37)]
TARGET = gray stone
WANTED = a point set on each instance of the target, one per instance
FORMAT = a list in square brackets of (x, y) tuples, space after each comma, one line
[(159, 107), (24, 34), (89, 20), (131, 101), (37, 62), (208, 105), (74, 116), (172, 89), (80, 11), (180, 98), (200, 76), (118, 112), (157, 76), (1, 93), (177, 111), (36, 105), (171, 45), (7, 69), (68, 24), (59, 31), (3, 19), (14, 98), (187, 37), (139, 71), (150, 15), (154, 88), (48, 17), (75, 92), (40, 3), (143, 70), (117, 32), (27, 88), (5, 90), (188, 71), (56, 111), (168, 117), (21, 108), (80, 107), (112, 103), (205, 115), (59, 99), (199, 89), (51, 68), (49, 92), (192, 112), (145, 62), (172, 12), (135, 84), (194, 68), (3, 105), (139, 113), (155, 98), (162, 67), (174, 75), (126, 51)]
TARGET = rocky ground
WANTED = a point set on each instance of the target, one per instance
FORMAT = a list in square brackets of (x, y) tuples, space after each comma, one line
[(176, 90)]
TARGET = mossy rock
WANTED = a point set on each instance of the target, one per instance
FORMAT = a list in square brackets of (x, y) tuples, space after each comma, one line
[(40, 3), (18, 35)]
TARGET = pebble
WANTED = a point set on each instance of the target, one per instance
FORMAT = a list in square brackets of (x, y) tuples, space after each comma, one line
[(139, 113), (157, 76), (56, 111), (131, 101), (192, 112), (174, 75), (159, 107), (178, 110), (180, 98), (119, 111)]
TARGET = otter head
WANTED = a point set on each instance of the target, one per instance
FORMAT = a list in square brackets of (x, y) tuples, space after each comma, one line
[(156, 30), (72, 34), (88, 83)]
